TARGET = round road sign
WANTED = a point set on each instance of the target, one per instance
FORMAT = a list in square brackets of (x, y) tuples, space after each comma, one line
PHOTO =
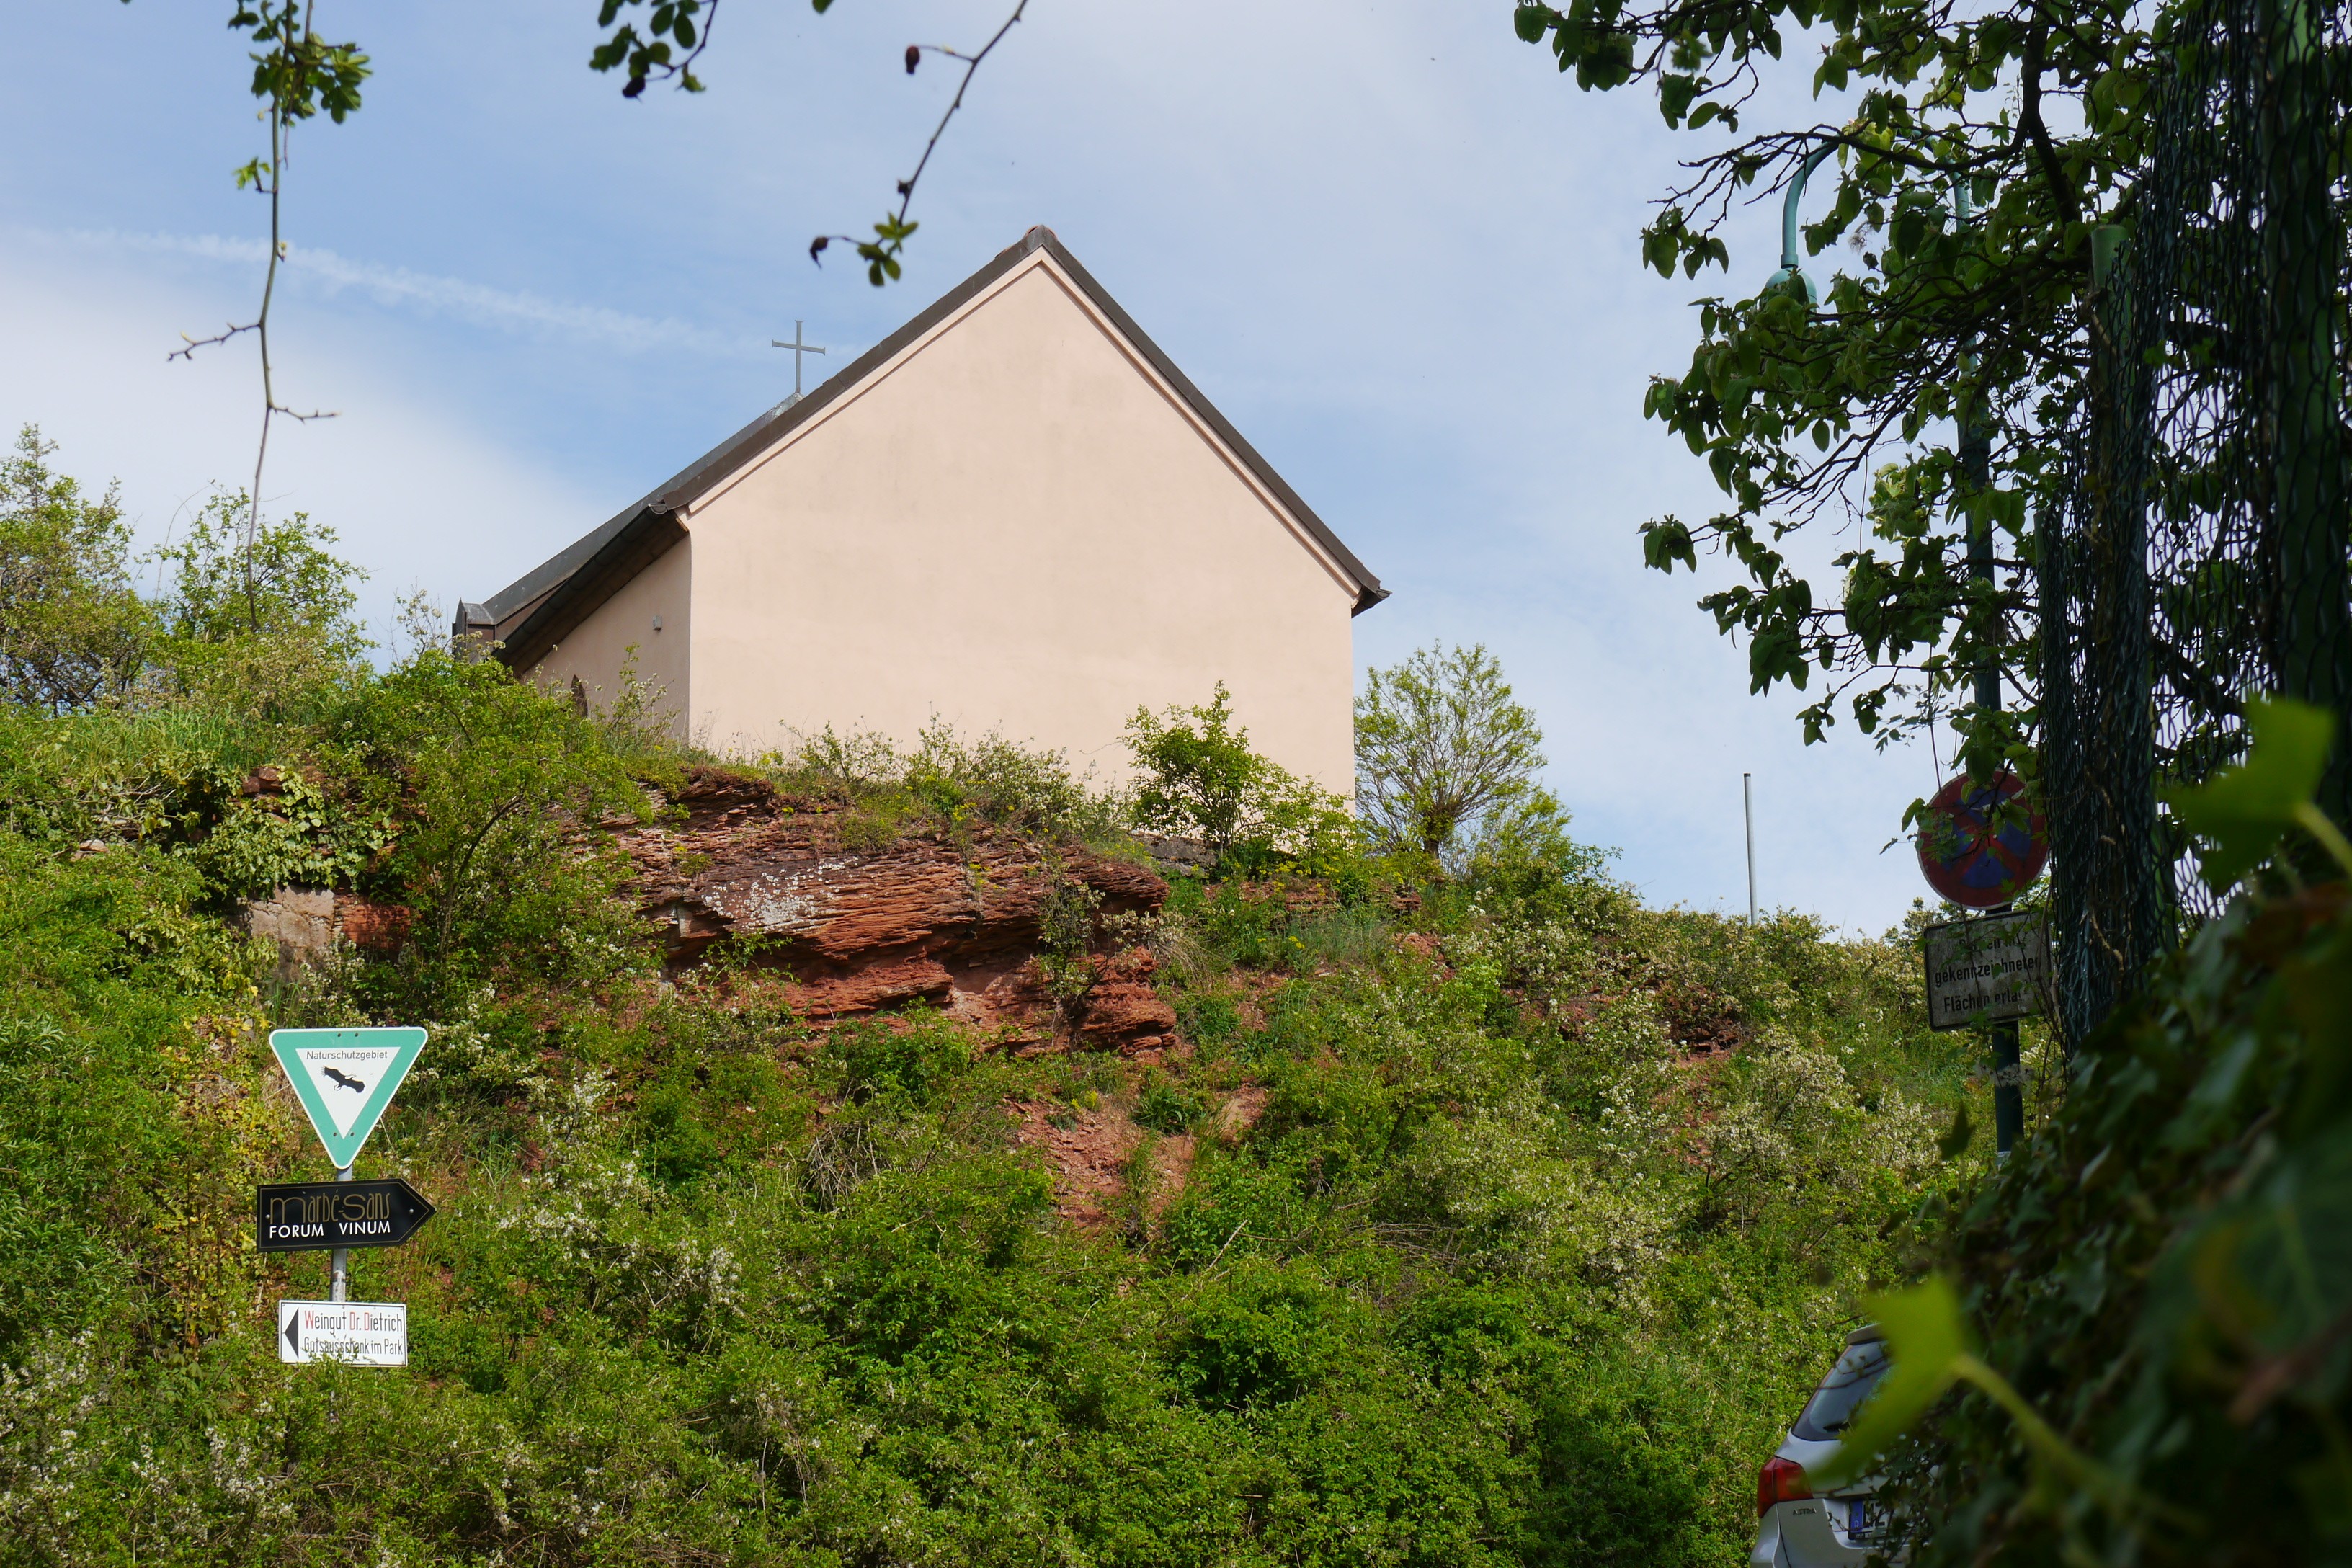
[(1975, 852)]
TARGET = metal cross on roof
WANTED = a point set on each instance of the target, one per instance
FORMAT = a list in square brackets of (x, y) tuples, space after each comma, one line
[(798, 348)]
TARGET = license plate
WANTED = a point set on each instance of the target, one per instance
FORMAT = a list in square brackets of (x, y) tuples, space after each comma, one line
[(1857, 1519)]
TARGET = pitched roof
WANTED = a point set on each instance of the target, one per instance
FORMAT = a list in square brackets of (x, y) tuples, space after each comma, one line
[(539, 609)]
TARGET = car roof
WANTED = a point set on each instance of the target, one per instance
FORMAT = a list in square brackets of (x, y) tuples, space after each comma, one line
[(1869, 1333)]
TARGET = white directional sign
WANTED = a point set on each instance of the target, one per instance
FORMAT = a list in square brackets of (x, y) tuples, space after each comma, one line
[(1987, 970), (364, 1333), (345, 1078)]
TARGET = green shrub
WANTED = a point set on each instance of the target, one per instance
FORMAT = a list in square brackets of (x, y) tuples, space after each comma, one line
[(1345, 937), (1164, 1106), (501, 845), (73, 629), (1498, 1272), (1262, 1338), (946, 782), (1234, 927), (1207, 1019), (906, 1058), (1201, 780)]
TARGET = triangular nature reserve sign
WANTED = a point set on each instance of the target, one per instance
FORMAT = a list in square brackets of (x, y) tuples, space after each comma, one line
[(345, 1078)]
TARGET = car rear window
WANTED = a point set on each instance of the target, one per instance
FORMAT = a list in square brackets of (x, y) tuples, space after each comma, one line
[(1847, 1386)]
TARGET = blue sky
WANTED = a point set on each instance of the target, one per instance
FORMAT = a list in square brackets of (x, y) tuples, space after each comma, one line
[(1392, 244)]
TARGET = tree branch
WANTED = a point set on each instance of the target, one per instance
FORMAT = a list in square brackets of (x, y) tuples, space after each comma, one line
[(881, 253), (2031, 126)]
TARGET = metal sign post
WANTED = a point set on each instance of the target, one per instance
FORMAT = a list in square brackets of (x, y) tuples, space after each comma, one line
[(345, 1079), (1981, 844), (1991, 971), (339, 1287)]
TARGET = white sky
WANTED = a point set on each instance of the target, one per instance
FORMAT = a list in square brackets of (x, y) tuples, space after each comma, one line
[(1390, 241)]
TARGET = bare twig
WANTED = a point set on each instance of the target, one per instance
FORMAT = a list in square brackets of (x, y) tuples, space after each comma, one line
[(881, 253), (1229, 1241), (189, 353), (288, 77)]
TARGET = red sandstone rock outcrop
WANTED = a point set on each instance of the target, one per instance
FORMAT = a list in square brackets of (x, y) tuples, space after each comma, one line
[(306, 922), (860, 928)]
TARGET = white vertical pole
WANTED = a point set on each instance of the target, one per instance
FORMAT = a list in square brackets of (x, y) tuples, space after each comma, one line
[(341, 1290), (1748, 806)]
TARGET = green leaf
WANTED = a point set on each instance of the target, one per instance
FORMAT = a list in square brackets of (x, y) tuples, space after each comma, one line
[(2245, 809), (1955, 1143), (1665, 541), (1675, 94), (1926, 1342)]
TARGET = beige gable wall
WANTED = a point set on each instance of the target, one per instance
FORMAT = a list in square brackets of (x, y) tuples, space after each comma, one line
[(598, 647), (1015, 525)]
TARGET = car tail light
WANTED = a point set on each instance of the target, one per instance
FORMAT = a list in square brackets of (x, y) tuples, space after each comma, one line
[(1781, 1480)]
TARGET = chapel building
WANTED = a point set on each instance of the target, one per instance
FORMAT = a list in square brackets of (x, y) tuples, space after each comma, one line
[(1014, 514)]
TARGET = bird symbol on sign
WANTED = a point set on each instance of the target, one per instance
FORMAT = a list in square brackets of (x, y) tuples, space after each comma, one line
[(354, 1084)]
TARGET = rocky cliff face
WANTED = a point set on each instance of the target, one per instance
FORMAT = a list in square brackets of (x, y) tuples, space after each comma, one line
[(862, 920)]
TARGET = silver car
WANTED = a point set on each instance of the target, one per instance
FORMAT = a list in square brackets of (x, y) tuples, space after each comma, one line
[(1832, 1530)]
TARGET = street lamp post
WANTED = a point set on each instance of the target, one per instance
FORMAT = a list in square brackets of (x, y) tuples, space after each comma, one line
[(1790, 266)]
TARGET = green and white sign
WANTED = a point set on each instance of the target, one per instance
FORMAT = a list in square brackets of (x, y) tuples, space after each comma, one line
[(345, 1078)]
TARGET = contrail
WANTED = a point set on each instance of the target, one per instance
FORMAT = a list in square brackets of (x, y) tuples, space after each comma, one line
[(325, 272)]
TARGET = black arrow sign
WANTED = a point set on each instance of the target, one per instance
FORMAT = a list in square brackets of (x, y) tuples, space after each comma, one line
[(309, 1217)]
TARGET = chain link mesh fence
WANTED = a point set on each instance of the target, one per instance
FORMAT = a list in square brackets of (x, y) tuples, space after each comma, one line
[(2200, 554)]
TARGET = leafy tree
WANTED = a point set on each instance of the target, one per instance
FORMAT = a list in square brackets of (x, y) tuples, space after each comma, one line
[(1441, 748), (261, 627), (1199, 774), (292, 585), (1986, 157), (72, 628)]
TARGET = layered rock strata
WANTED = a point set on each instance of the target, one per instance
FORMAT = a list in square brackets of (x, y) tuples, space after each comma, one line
[(863, 918)]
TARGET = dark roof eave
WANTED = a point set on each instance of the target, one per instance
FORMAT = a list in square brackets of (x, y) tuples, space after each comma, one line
[(640, 541)]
